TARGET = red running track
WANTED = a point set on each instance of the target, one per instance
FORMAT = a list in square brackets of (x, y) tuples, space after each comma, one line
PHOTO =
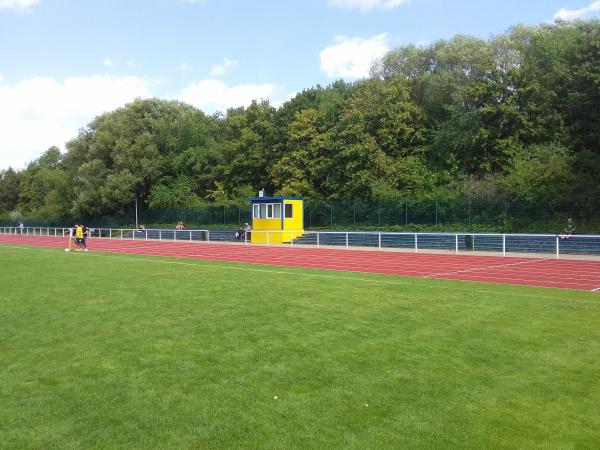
[(554, 273)]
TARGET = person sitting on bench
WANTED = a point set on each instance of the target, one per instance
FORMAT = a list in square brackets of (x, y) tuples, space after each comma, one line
[(569, 229)]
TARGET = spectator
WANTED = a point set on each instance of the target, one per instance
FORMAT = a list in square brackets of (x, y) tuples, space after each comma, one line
[(239, 234), (21, 226), (569, 229), (142, 227)]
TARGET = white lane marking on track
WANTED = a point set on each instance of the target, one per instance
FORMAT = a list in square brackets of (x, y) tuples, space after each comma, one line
[(335, 277), (476, 269)]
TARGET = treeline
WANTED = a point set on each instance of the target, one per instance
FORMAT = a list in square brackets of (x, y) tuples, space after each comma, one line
[(516, 115)]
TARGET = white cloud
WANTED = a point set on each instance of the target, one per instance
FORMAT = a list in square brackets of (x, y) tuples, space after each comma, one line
[(132, 64), (220, 69), (213, 95), (367, 5), (572, 14), (352, 57), (40, 112), (22, 5)]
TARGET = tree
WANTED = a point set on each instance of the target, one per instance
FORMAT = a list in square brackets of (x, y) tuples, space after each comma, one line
[(540, 171), (9, 189), (123, 154), (299, 170)]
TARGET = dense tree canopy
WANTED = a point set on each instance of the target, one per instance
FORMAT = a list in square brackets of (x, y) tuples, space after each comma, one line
[(517, 114)]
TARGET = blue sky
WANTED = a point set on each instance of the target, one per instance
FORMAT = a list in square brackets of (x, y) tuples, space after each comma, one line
[(64, 62)]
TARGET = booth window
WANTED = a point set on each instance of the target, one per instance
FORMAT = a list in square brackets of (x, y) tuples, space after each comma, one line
[(267, 211), (289, 210)]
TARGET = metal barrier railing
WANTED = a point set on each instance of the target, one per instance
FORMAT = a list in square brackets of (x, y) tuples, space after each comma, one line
[(458, 243)]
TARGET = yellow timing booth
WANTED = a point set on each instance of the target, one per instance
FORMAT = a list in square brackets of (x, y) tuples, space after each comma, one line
[(276, 220)]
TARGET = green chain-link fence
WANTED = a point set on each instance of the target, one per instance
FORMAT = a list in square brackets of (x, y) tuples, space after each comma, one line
[(464, 213)]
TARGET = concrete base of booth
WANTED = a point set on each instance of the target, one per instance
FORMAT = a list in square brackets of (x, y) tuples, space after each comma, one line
[(274, 236)]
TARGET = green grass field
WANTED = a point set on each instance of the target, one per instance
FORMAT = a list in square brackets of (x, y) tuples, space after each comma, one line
[(124, 351)]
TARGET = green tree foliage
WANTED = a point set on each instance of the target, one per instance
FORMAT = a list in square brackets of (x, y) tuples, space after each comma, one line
[(514, 115), (44, 186), (540, 170), (9, 189), (132, 151)]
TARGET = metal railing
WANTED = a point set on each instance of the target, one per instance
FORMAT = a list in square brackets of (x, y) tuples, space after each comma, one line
[(459, 243), (117, 233)]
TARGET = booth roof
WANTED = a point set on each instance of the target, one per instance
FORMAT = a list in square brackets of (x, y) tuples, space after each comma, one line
[(271, 199)]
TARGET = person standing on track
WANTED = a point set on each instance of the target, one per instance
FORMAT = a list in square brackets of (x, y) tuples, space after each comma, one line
[(79, 237), (84, 239)]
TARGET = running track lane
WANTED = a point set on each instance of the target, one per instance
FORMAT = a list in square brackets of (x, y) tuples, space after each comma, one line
[(555, 273)]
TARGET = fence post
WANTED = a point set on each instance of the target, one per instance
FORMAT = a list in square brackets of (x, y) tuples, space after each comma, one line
[(331, 213), (469, 213), (557, 247), (416, 244), (346, 240), (379, 239), (317, 239), (503, 245), (456, 242)]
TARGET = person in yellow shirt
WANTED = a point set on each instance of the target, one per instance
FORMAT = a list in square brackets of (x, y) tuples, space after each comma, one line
[(79, 237)]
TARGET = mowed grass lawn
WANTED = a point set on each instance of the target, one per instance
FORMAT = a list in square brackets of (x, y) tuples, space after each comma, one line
[(123, 351)]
